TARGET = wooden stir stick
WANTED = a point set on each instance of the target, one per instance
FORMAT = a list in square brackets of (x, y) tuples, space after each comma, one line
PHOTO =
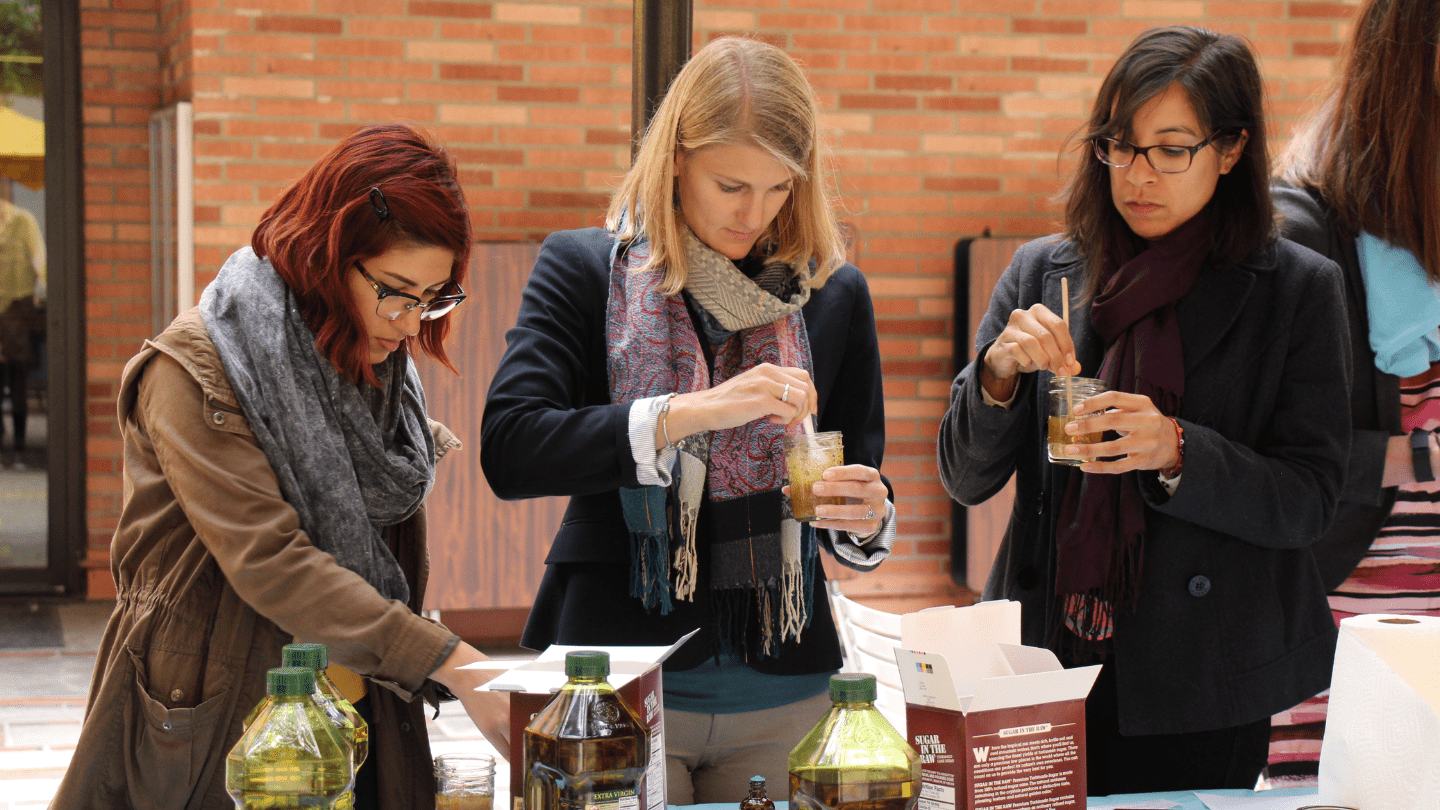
[(1065, 316)]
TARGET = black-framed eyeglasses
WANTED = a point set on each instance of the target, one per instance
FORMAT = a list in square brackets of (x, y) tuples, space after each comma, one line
[(393, 304), (1166, 159)]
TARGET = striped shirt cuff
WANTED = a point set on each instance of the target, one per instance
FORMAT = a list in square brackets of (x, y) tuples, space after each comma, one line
[(652, 467), (866, 552)]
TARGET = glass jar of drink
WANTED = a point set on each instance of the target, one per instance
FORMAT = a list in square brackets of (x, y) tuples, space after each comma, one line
[(1066, 393), (464, 782), (807, 457)]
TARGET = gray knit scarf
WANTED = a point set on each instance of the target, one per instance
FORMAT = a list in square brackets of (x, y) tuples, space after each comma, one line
[(349, 467)]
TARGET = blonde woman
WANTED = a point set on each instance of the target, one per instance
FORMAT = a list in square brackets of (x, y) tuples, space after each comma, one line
[(654, 368)]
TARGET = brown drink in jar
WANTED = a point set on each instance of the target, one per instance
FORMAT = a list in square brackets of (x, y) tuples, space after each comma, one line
[(1059, 439), (464, 782), (807, 457), (1066, 393)]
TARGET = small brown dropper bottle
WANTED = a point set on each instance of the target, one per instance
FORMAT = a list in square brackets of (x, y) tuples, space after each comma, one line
[(757, 800)]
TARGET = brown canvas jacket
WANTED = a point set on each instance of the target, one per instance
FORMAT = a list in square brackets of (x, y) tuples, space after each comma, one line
[(214, 575)]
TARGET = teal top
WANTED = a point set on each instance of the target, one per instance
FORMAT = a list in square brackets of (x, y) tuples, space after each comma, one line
[(730, 687), (1402, 305)]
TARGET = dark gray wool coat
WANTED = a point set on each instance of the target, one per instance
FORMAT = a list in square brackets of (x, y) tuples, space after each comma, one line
[(1232, 623)]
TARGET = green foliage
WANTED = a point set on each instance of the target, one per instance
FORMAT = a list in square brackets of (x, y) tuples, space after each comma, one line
[(20, 37)]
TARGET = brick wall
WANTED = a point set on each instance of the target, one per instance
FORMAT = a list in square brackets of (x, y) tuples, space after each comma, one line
[(946, 117), (123, 47)]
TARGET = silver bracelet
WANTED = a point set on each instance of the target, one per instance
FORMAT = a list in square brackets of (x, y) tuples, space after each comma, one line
[(664, 418)]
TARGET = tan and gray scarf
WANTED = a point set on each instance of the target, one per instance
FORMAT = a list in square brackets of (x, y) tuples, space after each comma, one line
[(761, 563)]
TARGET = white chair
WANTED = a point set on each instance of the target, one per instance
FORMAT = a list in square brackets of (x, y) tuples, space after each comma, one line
[(868, 638)]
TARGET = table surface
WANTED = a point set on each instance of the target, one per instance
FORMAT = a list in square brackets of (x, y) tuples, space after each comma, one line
[(1186, 800)]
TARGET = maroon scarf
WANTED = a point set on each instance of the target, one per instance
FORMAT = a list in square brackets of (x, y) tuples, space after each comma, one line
[(1102, 518)]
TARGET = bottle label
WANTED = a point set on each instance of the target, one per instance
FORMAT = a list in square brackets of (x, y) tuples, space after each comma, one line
[(611, 800)]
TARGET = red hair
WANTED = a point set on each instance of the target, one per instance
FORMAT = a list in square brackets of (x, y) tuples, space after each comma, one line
[(324, 223)]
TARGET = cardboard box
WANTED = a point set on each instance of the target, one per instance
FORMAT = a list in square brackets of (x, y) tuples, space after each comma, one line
[(998, 726), (635, 674)]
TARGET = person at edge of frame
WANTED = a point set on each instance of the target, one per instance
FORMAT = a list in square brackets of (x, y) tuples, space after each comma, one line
[(1360, 184), (277, 459)]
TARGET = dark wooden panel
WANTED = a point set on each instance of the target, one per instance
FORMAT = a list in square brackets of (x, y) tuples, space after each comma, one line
[(985, 524), (484, 552)]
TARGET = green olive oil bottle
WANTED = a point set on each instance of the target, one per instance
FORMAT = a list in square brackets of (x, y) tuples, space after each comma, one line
[(587, 749), (316, 657), (853, 759), (291, 755)]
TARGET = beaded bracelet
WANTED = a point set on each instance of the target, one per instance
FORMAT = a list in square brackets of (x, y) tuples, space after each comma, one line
[(1180, 461)]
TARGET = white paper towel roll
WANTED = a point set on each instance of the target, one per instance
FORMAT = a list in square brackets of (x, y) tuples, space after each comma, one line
[(1382, 728)]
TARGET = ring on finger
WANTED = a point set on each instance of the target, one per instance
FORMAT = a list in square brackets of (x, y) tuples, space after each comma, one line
[(869, 512), (785, 395)]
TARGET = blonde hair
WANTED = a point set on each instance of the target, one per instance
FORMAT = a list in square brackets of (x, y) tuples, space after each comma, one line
[(733, 91)]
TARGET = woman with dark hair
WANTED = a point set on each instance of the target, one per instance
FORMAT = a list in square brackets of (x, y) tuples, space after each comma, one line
[(1361, 185), (1176, 553), (277, 457)]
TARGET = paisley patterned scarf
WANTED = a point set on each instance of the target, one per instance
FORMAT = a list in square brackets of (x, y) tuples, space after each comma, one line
[(761, 563)]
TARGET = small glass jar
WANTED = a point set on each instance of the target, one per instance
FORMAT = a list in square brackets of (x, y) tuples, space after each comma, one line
[(1065, 394), (464, 782), (807, 457)]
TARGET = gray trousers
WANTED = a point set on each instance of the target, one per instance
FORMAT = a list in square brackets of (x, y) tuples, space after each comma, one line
[(711, 757)]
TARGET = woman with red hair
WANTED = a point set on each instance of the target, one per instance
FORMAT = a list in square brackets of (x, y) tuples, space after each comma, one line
[(277, 457)]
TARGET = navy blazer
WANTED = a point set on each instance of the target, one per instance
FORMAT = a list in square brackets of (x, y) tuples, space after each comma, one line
[(1232, 624), (550, 428)]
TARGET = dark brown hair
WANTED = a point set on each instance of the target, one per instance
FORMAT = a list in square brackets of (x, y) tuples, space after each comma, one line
[(325, 222), (1373, 147), (1222, 81)]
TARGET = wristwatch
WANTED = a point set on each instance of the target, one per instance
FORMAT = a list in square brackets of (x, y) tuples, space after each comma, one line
[(1420, 454)]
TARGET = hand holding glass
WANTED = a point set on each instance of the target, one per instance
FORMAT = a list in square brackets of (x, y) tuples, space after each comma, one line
[(1065, 394)]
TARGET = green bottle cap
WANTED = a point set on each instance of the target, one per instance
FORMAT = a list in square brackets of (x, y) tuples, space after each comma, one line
[(587, 664), (290, 681), (852, 687), (309, 656)]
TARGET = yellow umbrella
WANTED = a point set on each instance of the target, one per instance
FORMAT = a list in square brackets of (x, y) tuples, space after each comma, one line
[(22, 148)]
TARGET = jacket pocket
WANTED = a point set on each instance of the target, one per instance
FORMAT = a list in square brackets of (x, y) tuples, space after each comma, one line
[(226, 418), (167, 749)]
